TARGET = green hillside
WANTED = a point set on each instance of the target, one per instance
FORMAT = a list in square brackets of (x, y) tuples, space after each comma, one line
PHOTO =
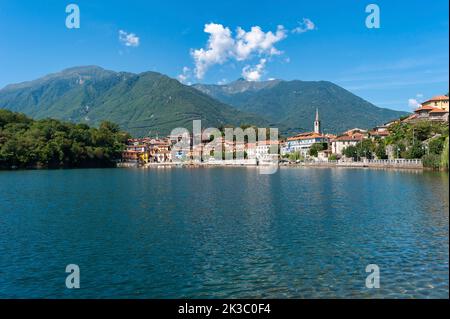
[(292, 104), (142, 104)]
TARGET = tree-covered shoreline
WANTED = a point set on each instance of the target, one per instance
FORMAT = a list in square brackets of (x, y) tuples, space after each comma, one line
[(28, 144)]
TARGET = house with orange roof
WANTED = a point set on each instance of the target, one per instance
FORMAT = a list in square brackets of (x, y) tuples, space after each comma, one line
[(435, 109), (342, 142), (437, 102), (430, 113)]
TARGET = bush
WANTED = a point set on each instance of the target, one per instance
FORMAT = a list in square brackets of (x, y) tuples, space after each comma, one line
[(436, 145), (431, 161)]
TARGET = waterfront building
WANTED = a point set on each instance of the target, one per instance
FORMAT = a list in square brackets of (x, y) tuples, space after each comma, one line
[(342, 142), (147, 150), (136, 152), (159, 150), (302, 142), (263, 151)]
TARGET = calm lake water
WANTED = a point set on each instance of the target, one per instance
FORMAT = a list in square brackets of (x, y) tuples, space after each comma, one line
[(224, 233)]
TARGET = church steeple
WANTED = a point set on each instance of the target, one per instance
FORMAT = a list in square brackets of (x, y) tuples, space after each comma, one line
[(317, 123)]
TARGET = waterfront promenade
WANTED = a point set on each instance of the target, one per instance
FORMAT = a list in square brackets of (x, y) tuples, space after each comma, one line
[(385, 164)]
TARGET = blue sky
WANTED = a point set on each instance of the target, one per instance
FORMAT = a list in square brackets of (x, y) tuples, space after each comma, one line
[(403, 61)]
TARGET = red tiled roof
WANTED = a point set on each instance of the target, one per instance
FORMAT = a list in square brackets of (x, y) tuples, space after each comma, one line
[(306, 136), (409, 118), (438, 111), (376, 133), (439, 98), (346, 138), (424, 108)]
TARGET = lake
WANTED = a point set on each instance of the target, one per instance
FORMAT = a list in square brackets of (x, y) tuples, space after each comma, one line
[(224, 233)]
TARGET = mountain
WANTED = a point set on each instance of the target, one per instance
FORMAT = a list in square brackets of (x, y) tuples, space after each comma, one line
[(142, 103), (292, 104)]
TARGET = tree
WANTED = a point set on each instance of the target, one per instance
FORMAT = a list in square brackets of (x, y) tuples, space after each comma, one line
[(415, 151), (436, 145), (316, 148), (380, 151), (52, 143), (365, 148), (351, 152)]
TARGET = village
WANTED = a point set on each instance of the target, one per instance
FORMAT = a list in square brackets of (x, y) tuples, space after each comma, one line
[(310, 148)]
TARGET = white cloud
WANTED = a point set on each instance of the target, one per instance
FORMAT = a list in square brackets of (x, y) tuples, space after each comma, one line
[(128, 39), (223, 46), (413, 103), (304, 26), (222, 82), (185, 75), (219, 49), (254, 73), (416, 102), (257, 41)]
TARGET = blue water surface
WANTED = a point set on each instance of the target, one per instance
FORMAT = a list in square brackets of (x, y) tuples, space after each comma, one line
[(224, 233)]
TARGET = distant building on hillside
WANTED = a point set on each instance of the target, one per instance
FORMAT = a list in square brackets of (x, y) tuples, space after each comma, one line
[(439, 102), (429, 113), (435, 109)]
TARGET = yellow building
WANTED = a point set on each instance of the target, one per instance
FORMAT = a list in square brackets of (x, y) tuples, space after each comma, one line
[(440, 101)]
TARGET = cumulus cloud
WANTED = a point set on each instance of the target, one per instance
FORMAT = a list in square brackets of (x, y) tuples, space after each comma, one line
[(222, 46), (219, 49), (305, 26), (413, 103), (128, 39), (254, 73), (257, 41)]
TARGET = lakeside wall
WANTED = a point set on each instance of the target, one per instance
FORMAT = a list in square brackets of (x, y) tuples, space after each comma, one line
[(396, 164)]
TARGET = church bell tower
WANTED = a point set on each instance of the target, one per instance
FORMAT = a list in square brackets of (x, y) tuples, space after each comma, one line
[(317, 123)]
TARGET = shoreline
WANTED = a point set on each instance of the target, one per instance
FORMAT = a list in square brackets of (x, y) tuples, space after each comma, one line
[(361, 165), (355, 165)]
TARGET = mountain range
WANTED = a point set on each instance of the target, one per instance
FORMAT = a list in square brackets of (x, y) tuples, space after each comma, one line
[(293, 104), (151, 103)]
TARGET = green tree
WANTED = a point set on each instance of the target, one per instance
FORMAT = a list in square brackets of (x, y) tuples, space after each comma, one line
[(51, 143), (316, 148), (380, 151), (436, 145), (415, 151), (351, 152)]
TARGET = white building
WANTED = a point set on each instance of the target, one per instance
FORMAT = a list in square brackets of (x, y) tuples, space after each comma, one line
[(342, 142), (302, 142)]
